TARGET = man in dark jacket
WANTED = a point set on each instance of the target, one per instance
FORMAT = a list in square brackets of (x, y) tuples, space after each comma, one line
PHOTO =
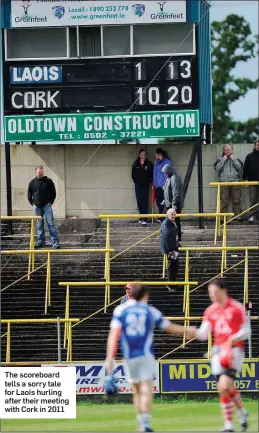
[(42, 194), (169, 246), (173, 194), (251, 173), (142, 175)]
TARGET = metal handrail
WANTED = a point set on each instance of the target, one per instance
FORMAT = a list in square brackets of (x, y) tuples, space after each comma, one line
[(107, 295), (218, 206), (23, 277), (187, 292), (17, 217), (61, 251), (152, 216), (9, 322), (245, 183), (189, 341), (242, 213), (31, 263)]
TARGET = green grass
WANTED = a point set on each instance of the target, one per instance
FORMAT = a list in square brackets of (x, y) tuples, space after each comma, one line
[(170, 416)]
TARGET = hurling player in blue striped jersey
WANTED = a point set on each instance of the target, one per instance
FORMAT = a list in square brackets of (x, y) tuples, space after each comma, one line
[(133, 323)]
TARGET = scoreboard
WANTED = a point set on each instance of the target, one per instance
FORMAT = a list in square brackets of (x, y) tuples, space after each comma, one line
[(102, 85)]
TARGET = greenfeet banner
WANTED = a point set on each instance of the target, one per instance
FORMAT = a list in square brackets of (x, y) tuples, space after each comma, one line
[(102, 126)]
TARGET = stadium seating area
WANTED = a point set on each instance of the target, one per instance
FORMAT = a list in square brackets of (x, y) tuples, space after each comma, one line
[(26, 298)]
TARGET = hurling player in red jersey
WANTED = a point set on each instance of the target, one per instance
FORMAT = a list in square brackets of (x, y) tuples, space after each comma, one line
[(227, 320)]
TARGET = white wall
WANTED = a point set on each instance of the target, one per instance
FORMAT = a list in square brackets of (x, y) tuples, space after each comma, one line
[(104, 184)]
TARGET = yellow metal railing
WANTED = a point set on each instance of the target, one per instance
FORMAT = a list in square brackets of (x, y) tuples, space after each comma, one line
[(194, 319), (48, 264), (107, 296), (218, 206), (187, 292), (150, 216), (31, 264), (10, 322)]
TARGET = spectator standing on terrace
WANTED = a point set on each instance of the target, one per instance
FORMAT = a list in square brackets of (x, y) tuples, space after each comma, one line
[(251, 173), (229, 169), (162, 159), (173, 194), (169, 246), (142, 175), (128, 295), (41, 195)]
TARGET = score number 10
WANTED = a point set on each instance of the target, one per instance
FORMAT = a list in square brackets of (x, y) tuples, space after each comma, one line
[(175, 70)]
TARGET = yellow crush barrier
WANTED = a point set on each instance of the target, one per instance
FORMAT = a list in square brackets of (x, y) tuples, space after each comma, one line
[(107, 296), (108, 217), (189, 341), (31, 264), (9, 322), (48, 264), (187, 292), (218, 206)]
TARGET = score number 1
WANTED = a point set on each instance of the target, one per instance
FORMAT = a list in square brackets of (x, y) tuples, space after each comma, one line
[(175, 70)]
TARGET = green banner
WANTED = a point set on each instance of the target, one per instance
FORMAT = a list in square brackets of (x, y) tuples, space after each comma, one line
[(102, 126)]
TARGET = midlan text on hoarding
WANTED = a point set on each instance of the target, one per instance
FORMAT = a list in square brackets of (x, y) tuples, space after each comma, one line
[(78, 127)]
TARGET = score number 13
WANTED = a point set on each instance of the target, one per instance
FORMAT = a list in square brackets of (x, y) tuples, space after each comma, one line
[(175, 70)]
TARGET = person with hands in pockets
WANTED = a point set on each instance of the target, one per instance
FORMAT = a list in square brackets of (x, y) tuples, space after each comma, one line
[(42, 194)]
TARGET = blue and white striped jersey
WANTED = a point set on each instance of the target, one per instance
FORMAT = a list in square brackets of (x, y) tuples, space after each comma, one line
[(137, 321)]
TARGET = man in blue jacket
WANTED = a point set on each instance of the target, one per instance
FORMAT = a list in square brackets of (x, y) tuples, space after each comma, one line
[(162, 159), (169, 246)]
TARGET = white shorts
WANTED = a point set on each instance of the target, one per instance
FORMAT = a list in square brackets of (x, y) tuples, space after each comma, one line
[(238, 357), (140, 368)]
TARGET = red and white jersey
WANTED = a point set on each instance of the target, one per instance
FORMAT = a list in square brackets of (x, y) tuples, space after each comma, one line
[(226, 321)]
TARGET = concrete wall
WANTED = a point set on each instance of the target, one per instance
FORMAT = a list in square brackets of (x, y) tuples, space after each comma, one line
[(87, 186)]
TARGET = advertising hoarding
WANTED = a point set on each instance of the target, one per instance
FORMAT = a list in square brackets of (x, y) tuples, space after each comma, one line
[(96, 126), (179, 377), (90, 378), (44, 13)]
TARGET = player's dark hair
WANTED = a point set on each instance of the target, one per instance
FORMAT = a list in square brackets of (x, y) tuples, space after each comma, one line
[(142, 150), (221, 283), (139, 291)]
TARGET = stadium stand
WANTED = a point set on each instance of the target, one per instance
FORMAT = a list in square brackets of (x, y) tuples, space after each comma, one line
[(26, 298)]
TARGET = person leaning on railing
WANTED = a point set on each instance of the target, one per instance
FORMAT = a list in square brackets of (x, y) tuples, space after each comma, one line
[(251, 173), (229, 168)]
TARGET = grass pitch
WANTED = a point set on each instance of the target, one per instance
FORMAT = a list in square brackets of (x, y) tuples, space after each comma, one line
[(169, 416)]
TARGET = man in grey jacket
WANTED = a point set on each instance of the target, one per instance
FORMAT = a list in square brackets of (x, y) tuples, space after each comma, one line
[(229, 169), (173, 194)]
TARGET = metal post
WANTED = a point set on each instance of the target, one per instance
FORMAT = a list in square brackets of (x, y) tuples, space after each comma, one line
[(47, 288), (217, 221), (107, 266), (200, 181), (59, 340), (49, 281), (8, 186), (32, 240), (246, 278), (8, 343), (189, 170), (186, 278), (66, 317), (250, 336)]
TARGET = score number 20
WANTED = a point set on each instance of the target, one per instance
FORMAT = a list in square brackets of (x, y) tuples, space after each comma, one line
[(175, 95)]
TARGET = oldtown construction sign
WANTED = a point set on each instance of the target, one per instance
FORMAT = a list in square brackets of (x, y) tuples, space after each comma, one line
[(107, 126)]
